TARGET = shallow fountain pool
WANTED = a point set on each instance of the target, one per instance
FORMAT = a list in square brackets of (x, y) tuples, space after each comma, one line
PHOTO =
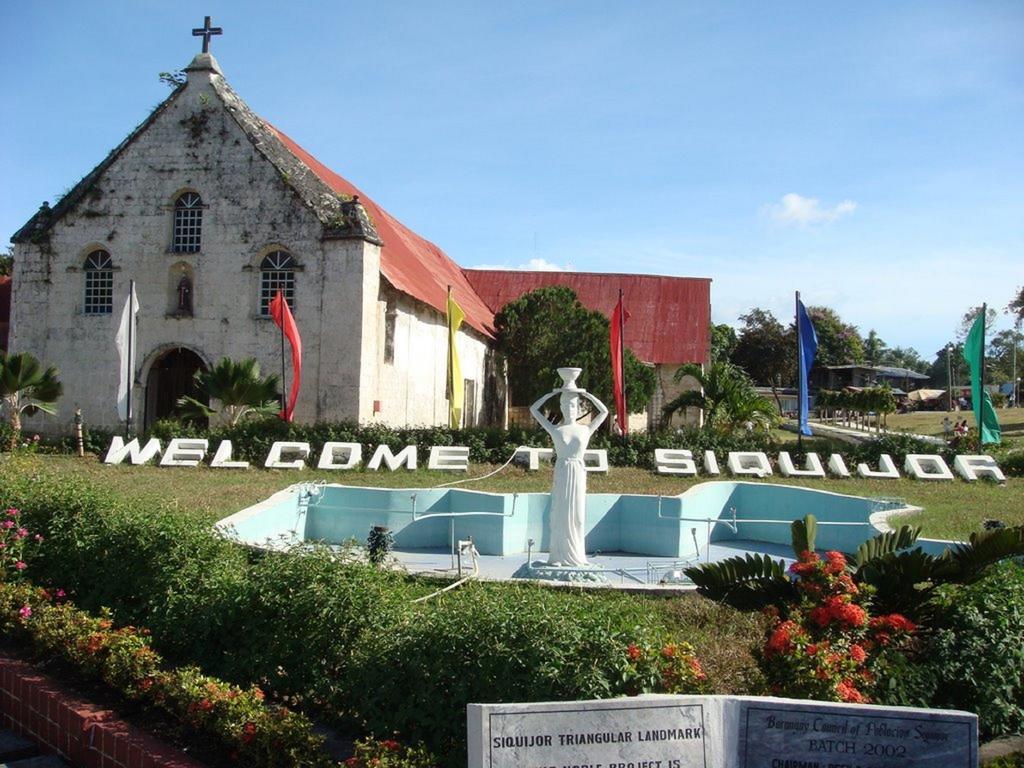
[(634, 533)]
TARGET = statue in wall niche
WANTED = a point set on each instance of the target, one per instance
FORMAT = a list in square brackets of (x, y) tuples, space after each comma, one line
[(568, 514), (184, 296)]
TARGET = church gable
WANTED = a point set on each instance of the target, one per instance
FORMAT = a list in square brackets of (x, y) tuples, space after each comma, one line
[(202, 130)]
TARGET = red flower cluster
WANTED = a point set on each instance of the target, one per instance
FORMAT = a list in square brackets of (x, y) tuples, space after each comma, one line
[(823, 646)]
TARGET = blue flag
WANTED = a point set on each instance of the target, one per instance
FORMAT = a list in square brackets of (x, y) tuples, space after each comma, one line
[(807, 347)]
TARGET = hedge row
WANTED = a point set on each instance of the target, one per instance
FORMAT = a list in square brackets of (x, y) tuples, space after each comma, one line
[(253, 732), (332, 635)]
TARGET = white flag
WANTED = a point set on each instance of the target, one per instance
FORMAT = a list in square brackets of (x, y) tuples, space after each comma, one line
[(126, 342)]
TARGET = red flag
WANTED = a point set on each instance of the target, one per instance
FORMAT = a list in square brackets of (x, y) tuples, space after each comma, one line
[(283, 319), (619, 318)]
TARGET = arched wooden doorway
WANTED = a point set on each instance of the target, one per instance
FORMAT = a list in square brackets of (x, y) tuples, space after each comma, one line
[(171, 377)]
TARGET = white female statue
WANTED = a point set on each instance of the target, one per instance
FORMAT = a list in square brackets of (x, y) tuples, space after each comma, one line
[(567, 519)]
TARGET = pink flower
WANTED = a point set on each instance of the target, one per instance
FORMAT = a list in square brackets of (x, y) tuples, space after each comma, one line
[(21, 533), (61, 593), (20, 565), (26, 611), (3, 545), (8, 524), (38, 537), (12, 512)]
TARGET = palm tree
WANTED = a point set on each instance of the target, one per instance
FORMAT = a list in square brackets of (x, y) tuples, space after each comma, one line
[(26, 388), (727, 397), (239, 389)]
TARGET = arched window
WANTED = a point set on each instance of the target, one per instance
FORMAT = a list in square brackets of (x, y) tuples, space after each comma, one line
[(188, 223), (99, 283), (277, 273)]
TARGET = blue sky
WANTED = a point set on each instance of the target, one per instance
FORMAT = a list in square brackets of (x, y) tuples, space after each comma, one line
[(868, 154)]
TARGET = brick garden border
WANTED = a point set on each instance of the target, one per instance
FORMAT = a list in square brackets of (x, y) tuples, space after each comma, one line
[(88, 736)]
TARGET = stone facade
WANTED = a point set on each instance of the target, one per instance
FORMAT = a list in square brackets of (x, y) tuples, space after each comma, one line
[(256, 199)]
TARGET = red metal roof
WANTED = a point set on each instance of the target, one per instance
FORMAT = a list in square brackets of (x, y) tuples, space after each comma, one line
[(669, 316), (412, 264)]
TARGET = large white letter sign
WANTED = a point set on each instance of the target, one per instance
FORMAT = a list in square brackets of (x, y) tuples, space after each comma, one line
[(222, 458), (674, 461), (886, 469), (749, 463), (534, 455), (837, 466), (711, 463), (352, 453), (452, 457), (406, 456), (925, 466), (277, 450), (595, 460), (118, 451), (971, 467), (184, 452), (812, 466)]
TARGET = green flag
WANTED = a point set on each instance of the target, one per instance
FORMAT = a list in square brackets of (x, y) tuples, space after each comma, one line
[(974, 354)]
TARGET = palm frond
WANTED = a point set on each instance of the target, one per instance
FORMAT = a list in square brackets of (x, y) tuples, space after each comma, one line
[(748, 582), (804, 533), (985, 548), (884, 544)]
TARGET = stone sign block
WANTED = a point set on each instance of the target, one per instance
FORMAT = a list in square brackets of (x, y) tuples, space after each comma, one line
[(718, 732), (786, 733), (644, 732)]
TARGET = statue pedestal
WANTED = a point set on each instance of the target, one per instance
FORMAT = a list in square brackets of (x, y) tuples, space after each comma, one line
[(540, 570)]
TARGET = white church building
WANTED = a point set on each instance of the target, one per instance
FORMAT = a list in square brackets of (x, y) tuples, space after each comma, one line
[(211, 210)]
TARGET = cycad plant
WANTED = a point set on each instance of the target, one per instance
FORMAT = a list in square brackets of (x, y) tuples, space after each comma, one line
[(902, 578), (26, 388), (239, 389), (727, 397)]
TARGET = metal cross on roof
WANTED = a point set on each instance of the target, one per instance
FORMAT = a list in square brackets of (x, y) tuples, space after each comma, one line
[(206, 32)]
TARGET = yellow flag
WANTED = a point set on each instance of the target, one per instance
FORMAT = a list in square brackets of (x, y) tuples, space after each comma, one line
[(456, 392)]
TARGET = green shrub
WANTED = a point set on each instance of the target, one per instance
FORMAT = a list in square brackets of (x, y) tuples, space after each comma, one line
[(896, 444), (495, 643), (974, 659), (1012, 463), (337, 636)]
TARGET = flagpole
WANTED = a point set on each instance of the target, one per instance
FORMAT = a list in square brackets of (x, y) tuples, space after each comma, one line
[(284, 380), (799, 372), (449, 383), (622, 366), (131, 362), (981, 371)]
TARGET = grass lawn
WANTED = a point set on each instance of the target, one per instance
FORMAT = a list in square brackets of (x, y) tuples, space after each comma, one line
[(930, 422), (951, 509)]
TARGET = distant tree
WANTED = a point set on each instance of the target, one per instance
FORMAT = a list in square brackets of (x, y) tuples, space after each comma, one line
[(723, 341), (765, 349), (549, 328), (970, 316), (904, 357), (938, 370), (999, 356), (874, 348), (839, 343), (7, 262), (26, 388), (1016, 307), (726, 396)]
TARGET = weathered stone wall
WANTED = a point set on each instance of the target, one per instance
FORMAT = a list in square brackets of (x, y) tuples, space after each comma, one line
[(411, 375), (195, 144)]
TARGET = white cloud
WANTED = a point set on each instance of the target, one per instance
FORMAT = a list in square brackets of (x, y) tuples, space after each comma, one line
[(533, 265), (797, 209)]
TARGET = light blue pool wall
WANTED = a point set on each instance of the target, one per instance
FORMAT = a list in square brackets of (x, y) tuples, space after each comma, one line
[(615, 523)]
